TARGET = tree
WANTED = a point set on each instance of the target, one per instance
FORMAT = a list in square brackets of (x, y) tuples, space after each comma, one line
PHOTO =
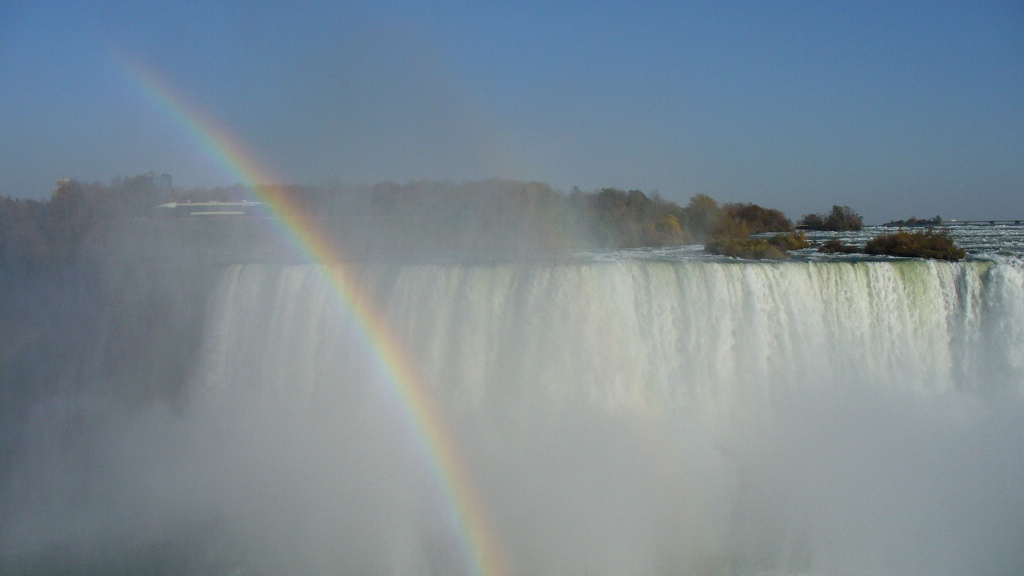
[(840, 219), (758, 219), (702, 216)]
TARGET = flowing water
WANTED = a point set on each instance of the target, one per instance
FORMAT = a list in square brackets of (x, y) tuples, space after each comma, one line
[(630, 413)]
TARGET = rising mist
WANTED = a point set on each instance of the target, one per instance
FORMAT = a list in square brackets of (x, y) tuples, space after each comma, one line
[(612, 417)]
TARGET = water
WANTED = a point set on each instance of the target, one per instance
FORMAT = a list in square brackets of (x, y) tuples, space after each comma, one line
[(646, 412), (982, 242)]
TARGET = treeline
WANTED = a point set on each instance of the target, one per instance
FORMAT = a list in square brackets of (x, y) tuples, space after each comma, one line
[(83, 221), (42, 234), (914, 222), (632, 219), (90, 223), (102, 224), (840, 219)]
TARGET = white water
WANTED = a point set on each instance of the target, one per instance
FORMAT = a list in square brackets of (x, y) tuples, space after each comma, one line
[(615, 418)]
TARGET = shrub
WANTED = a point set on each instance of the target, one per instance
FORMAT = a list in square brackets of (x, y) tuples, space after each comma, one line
[(793, 241), (729, 228), (928, 244), (749, 248), (833, 246)]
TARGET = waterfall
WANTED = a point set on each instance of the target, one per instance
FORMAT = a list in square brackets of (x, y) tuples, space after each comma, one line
[(687, 415), (615, 417), (625, 336)]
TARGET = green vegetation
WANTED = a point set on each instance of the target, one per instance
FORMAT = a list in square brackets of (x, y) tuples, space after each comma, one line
[(928, 244), (614, 218), (95, 223), (776, 247), (792, 241), (915, 222), (840, 219), (735, 223), (748, 248), (758, 219)]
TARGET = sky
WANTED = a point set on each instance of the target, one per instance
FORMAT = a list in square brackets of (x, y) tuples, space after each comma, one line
[(895, 109)]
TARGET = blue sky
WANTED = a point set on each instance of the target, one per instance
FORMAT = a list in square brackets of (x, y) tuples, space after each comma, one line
[(896, 109)]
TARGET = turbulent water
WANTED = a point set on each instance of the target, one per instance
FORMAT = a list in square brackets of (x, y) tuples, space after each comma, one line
[(627, 416)]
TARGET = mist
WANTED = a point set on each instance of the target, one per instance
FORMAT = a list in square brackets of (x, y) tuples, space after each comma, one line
[(214, 396), (617, 417)]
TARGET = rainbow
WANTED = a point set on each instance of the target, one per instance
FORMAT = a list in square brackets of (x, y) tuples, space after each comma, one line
[(478, 541)]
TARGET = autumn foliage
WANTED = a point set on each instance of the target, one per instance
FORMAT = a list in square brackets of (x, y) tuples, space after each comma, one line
[(927, 244)]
